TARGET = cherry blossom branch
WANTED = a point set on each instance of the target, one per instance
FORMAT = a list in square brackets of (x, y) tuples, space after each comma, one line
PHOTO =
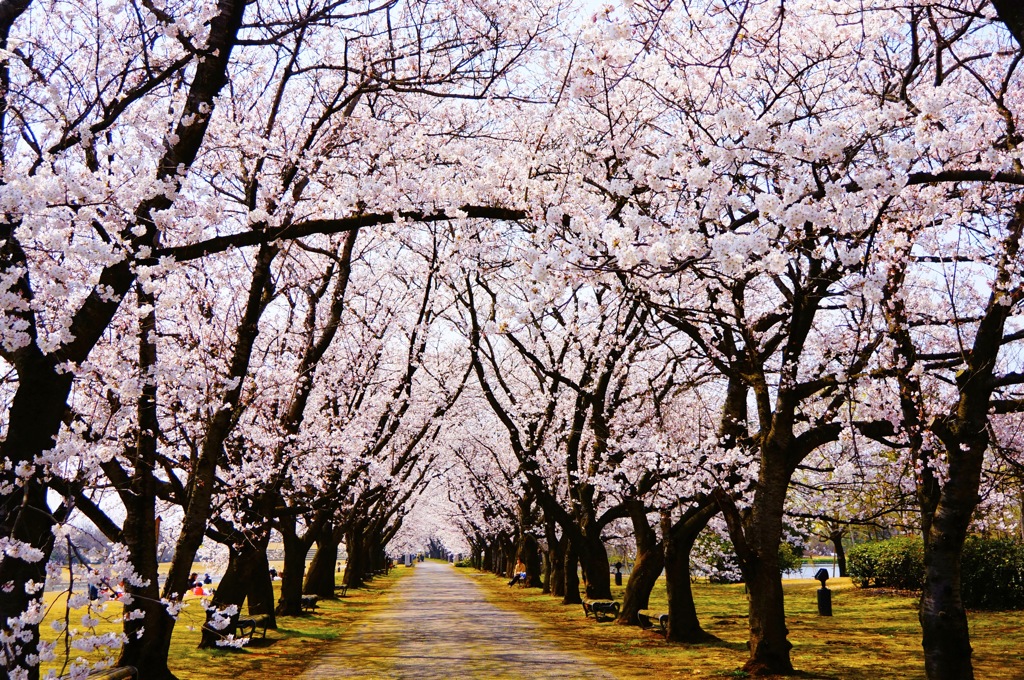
[(219, 244)]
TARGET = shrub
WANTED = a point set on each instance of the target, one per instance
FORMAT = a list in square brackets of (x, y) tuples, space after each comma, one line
[(791, 557), (992, 570), (992, 573), (895, 563), (464, 563)]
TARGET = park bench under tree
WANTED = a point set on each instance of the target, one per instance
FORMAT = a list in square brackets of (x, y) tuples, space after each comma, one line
[(240, 627), (649, 619), (601, 609)]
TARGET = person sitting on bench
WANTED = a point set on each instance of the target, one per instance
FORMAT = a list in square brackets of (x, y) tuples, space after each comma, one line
[(519, 575)]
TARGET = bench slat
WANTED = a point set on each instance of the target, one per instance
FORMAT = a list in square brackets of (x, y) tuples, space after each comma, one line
[(650, 619)]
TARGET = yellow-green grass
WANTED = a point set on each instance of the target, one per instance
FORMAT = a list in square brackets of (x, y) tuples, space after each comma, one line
[(286, 651), (872, 635)]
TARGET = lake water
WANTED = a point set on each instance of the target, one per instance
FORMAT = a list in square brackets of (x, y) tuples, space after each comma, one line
[(808, 571)]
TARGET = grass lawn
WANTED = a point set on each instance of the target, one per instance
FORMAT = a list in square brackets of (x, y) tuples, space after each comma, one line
[(872, 635), (285, 653)]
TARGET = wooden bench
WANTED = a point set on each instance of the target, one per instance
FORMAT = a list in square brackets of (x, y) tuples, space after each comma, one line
[(252, 624), (601, 609), (343, 589), (309, 603), (240, 627), (650, 619)]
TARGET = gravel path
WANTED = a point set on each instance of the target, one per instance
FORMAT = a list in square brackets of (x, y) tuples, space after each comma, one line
[(438, 624)]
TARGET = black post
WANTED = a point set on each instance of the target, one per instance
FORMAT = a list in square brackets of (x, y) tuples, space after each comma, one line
[(824, 594)]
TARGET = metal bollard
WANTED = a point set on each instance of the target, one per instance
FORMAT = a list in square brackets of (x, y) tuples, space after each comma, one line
[(824, 602), (824, 594)]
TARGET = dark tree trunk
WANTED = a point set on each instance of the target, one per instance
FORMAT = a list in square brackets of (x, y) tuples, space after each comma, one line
[(769, 644), (295, 549), (545, 568), (650, 560), (683, 623), (35, 417), (946, 635), (1012, 14), (354, 562), (140, 533), (231, 591), (837, 541), (756, 539), (487, 562), (260, 595), (320, 576), (556, 568), (596, 571), (508, 557), (530, 554), (646, 570)]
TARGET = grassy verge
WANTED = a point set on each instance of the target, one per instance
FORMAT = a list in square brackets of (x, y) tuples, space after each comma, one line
[(286, 652), (871, 636)]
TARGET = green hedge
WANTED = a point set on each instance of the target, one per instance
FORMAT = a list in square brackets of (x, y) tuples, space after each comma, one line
[(992, 573), (992, 570), (895, 563)]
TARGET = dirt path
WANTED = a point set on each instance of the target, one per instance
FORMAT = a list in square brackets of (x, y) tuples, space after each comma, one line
[(437, 624)]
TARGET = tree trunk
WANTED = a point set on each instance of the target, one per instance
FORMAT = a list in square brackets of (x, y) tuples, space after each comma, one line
[(142, 649), (756, 539), (769, 646), (354, 562), (295, 549), (34, 419), (555, 584), (650, 560), (646, 570), (837, 541), (231, 591), (545, 557), (260, 595), (596, 571), (530, 553), (946, 635), (683, 623), (320, 576)]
